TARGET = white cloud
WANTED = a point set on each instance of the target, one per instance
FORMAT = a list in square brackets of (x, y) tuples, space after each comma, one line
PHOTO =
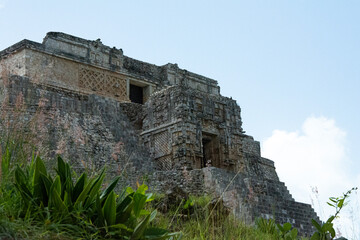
[(316, 156)]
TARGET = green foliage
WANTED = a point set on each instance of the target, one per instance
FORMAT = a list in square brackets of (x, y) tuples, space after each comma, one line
[(58, 199), (266, 225), (199, 218), (286, 231), (283, 232), (326, 230)]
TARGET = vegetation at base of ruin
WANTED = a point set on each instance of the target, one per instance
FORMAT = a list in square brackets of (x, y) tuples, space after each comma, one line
[(324, 231), (36, 205), (200, 219)]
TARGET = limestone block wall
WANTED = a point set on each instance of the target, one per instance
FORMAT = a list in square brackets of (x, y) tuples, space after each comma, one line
[(250, 197), (250, 146), (196, 124), (78, 64), (93, 52), (91, 131), (13, 64), (51, 70), (177, 76)]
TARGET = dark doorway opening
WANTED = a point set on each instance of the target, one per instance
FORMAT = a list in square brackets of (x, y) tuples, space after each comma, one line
[(206, 152), (136, 94), (211, 151)]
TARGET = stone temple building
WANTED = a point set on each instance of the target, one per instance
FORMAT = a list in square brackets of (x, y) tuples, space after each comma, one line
[(160, 124)]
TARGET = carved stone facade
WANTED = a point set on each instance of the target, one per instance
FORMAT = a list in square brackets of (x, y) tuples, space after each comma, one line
[(99, 107)]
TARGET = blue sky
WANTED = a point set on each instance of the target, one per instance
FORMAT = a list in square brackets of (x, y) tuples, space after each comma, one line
[(291, 65)]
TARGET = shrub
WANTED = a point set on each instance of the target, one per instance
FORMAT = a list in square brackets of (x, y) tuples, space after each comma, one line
[(82, 203)]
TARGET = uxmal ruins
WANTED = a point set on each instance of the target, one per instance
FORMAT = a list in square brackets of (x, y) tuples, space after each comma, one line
[(160, 124)]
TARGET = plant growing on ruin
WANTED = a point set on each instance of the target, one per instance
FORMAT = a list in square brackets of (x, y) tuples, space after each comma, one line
[(48, 199), (326, 230)]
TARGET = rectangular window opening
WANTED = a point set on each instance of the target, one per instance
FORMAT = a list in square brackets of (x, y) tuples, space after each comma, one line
[(136, 94)]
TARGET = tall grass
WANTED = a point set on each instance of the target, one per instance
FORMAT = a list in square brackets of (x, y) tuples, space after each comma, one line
[(198, 218)]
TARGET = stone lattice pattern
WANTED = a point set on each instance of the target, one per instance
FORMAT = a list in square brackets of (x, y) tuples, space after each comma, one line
[(102, 82), (162, 150), (164, 163), (161, 144)]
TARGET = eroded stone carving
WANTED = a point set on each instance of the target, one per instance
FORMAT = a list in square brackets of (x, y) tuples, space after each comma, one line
[(102, 83)]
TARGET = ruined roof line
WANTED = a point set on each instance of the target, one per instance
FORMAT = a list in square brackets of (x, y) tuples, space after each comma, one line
[(87, 44)]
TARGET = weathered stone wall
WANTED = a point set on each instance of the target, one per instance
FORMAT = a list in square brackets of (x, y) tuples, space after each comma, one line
[(254, 196), (91, 52), (177, 76), (250, 146), (185, 117), (60, 72), (88, 130), (13, 64), (97, 54)]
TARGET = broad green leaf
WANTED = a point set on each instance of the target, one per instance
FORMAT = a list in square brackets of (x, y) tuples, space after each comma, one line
[(280, 227), (142, 189), (341, 203), (109, 209), (21, 185), (332, 232), (144, 212), (149, 197), (330, 219), (140, 228), (47, 182), (67, 200), (40, 193), (315, 236), (83, 195), (57, 185), (124, 209), (79, 187), (326, 227), (294, 233), (122, 226), (287, 227), (139, 202), (129, 190), (111, 187), (95, 188), (330, 204), (156, 233), (55, 201), (123, 205), (316, 225), (100, 218), (68, 189), (152, 215), (61, 170)]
